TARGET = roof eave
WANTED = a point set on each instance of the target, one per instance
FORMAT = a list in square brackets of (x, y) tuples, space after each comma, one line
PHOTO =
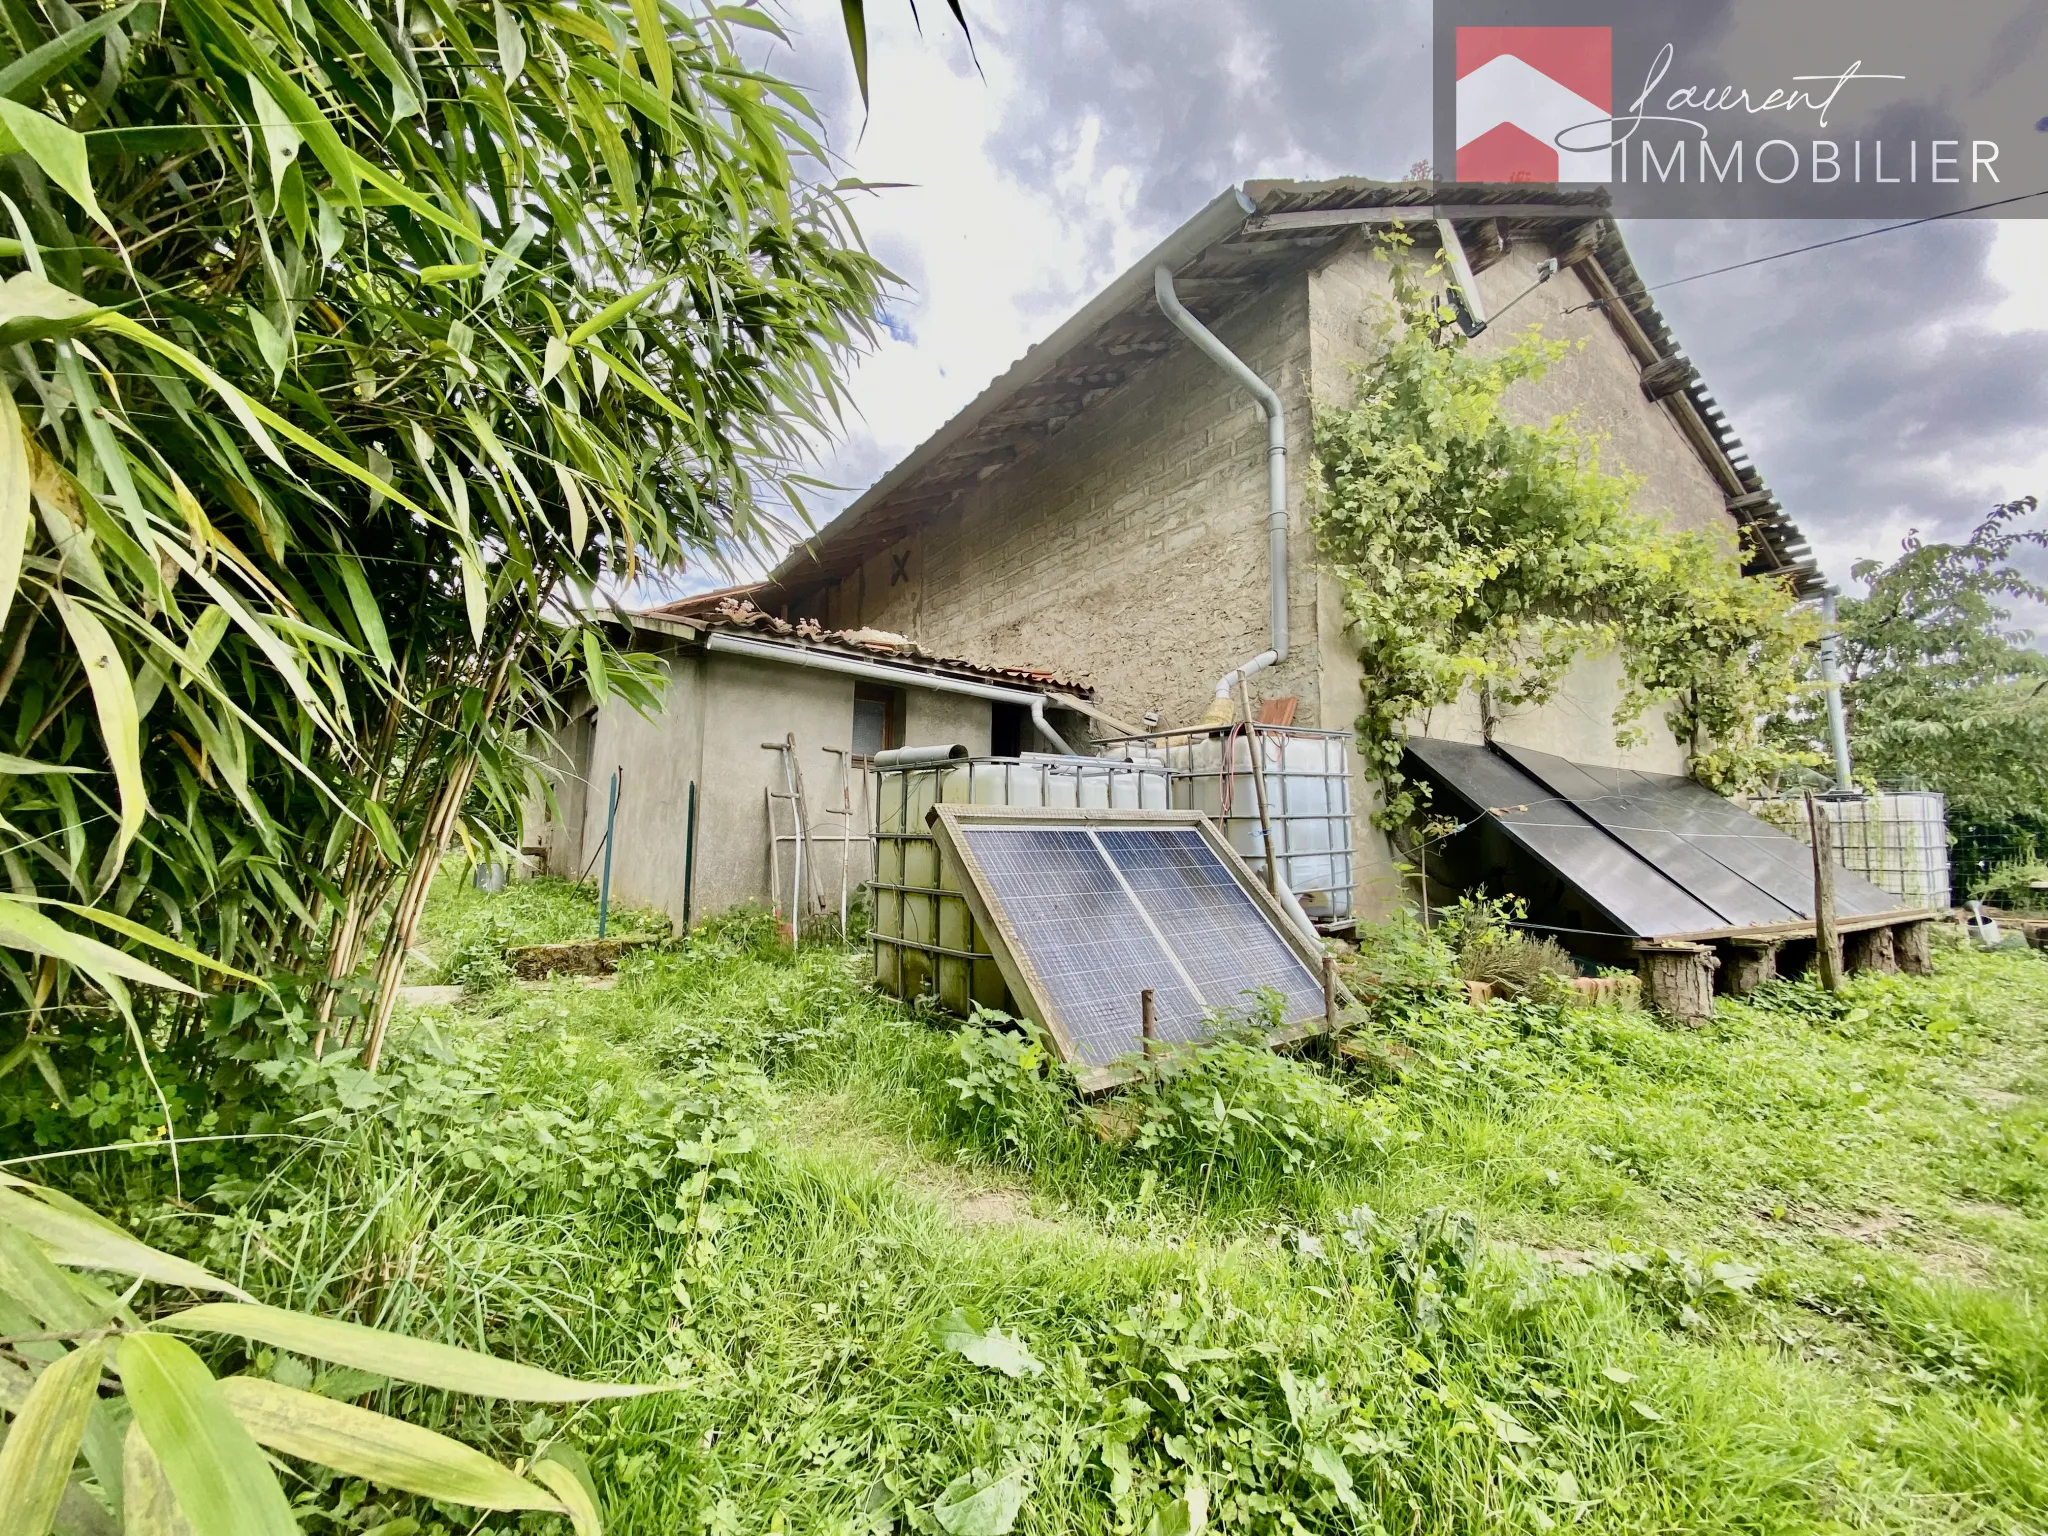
[(1221, 217)]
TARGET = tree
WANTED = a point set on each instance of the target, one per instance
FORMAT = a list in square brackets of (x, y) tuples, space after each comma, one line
[(1939, 689), (355, 351)]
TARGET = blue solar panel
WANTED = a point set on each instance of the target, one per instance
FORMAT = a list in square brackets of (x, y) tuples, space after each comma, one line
[(1099, 915), (1223, 942)]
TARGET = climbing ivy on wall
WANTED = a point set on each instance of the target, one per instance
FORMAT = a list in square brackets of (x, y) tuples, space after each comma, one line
[(1479, 554)]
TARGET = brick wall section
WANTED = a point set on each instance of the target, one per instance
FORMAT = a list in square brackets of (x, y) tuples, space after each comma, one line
[(1129, 549)]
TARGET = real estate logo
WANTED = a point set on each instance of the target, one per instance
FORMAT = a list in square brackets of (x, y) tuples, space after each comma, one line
[(1521, 92), (1775, 109)]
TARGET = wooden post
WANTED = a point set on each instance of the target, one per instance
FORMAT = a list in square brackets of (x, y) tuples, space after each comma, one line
[(1869, 949), (1330, 992), (1912, 947), (1678, 980), (1251, 736), (1148, 1024), (1750, 963), (1827, 944)]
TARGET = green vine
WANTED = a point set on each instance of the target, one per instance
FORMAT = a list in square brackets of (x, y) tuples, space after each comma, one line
[(1478, 554)]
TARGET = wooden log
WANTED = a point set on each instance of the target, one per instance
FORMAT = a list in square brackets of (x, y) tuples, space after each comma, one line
[(1747, 964), (1912, 945), (577, 957), (1678, 981), (1869, 950)]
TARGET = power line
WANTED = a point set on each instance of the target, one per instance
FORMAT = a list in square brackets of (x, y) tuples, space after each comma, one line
[(1818, 245)]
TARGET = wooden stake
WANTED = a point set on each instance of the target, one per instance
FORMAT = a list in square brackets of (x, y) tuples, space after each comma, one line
[(1251, 733), (1148, 1025), (1827, 945), (1330, 992)]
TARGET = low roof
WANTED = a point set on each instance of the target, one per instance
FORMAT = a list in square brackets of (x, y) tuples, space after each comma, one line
[(1236, 248), (730, 611)]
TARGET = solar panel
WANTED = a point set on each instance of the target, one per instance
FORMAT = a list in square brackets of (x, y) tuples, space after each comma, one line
[(1657, 854), (1635, 896), (1621, 804), (1087, 909), (1702, 835)]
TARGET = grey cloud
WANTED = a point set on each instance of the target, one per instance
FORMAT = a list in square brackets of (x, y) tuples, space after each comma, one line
[(1867, 379)]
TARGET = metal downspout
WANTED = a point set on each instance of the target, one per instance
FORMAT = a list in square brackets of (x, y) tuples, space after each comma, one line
[(1276, 459)]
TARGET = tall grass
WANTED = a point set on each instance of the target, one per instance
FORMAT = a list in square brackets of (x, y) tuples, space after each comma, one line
[(1482, 1296)]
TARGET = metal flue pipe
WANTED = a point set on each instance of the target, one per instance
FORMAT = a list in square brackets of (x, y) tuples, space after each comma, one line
[(1831, 681)]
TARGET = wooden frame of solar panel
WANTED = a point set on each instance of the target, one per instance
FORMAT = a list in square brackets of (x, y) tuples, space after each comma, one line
[(1077, 1033)]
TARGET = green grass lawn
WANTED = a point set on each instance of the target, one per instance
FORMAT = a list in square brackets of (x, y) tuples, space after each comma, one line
[(1570, 1269)]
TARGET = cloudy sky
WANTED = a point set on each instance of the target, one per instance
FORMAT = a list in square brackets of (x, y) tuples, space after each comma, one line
[(1894, 383)]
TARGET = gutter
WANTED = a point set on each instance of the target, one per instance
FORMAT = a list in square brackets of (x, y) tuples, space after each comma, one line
[(880, 672)]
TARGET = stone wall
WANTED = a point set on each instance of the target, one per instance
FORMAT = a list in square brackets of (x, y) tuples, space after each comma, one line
[(1129, 549), (1595, 384)]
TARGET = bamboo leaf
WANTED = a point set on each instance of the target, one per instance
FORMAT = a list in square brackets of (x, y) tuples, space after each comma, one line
[(368, 617), (17, 508), (129, 928), (654, 47), (30, 1280), (281, 136), (23, 927), (31, 306), (18, 766), (569, 1488), (22, 76), (616, 311), (511, 44), (59, 150), (113, 694), (386, 1451), (393, 1355), (855, 15), (42, 1443), (85, 1244), (475, 591), (224, 1486), (151, 1509), (508, 257)]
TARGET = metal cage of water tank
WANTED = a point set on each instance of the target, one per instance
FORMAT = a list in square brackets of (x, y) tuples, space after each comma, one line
[(925, 940), (1308, 794)]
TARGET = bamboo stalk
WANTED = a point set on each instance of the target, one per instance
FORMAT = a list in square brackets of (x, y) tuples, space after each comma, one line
[(412, 901)]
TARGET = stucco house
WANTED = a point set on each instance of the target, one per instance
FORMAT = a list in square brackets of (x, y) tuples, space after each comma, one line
[(755, 706), (1106, 509)]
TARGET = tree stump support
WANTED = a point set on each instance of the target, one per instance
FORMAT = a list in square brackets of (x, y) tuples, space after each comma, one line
[(1678, 980), (1912, 945), (1869, 949), (1748, 964)]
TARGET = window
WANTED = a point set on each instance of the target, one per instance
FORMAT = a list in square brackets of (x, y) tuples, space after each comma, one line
[(877, 719), (1006, 726)]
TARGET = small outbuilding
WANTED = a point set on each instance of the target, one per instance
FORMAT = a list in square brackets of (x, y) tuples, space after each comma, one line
[(762, 721)]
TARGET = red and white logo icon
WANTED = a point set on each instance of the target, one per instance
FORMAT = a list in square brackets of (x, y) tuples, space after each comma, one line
[(1519, 88)]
